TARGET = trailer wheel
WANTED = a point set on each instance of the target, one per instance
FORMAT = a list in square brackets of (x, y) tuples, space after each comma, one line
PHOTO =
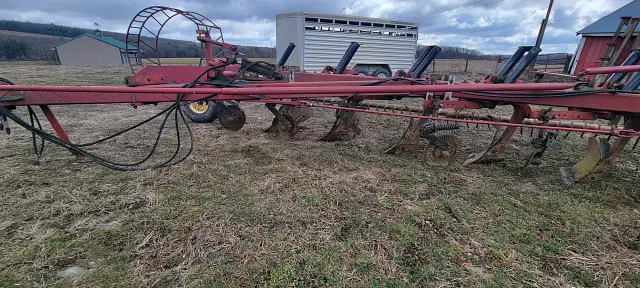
[(200, 111), (382, 73), (362, 72)]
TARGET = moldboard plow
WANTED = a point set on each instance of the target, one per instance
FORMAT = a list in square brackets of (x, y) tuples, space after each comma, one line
[(215, 91)]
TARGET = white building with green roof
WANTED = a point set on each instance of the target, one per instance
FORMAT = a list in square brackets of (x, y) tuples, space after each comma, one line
[(92, 49)]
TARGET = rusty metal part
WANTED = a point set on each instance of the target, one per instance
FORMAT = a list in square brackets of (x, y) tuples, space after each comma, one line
[(453, 144), (535, 157), (599, 158), (496, 150), (544, 140), (232, 117), (561, 114), (299, 114), (526, 121), (410, 140), (346, 125), (438, 156), (285, 129), (394, 107)]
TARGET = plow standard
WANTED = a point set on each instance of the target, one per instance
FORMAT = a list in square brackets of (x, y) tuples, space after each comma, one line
[(216, 90)]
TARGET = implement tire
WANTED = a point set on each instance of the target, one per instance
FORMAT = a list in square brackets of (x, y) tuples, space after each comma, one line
[(381, 73), (200, 112)]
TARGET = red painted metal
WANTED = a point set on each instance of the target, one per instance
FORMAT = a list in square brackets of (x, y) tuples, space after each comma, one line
[(317, 77), (171, 74), (207, 40), (616, 132), (463, 87), (606, 102), (594, 48), (57, 127), (64, 98), (36, 95), (610, 70), (135, 80)]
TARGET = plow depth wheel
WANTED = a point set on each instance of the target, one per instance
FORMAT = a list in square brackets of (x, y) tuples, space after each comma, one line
[(232, 117), (200, 111)]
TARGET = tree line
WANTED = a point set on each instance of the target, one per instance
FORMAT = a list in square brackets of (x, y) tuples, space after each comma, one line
[(32, 47), (452, 52)]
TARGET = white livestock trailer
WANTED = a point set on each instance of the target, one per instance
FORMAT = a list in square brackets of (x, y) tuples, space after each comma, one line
[(321, 39)]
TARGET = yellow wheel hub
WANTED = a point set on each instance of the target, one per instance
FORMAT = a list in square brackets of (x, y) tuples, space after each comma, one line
[(199, 107)]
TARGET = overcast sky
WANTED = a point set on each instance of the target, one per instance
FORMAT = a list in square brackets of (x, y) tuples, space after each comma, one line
[(491, 26)]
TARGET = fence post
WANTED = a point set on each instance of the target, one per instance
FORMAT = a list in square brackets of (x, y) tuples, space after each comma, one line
[(546, 64), (567, 63), (466, 65)]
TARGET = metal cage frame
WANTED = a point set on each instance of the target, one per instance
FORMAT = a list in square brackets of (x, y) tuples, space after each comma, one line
[(137, 26)]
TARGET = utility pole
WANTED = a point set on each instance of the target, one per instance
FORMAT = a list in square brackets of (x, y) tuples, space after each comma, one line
[(543, 26)]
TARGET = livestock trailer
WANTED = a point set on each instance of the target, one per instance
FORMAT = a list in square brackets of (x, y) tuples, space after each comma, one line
[(385, 45)]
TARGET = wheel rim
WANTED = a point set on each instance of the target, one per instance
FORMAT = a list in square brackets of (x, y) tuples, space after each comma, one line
[(199, 107), (382, 75), (362, 74)]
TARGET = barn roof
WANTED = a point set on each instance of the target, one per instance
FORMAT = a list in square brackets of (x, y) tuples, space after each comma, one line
[(108, 40), (609, 23)]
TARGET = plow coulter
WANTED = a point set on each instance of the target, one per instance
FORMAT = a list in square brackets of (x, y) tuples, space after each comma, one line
[(216, 91)]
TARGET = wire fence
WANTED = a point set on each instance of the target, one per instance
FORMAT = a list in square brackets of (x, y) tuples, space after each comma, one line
[(463, 66), (555, 62)]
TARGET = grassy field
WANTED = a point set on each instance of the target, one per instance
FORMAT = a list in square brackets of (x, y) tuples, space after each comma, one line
[(458, 66), (248, 210)]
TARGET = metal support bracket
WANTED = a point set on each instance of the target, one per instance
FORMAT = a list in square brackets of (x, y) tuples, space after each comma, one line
[(57, 127)]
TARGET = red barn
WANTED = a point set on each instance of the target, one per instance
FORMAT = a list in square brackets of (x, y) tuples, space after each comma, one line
[(594, 38)]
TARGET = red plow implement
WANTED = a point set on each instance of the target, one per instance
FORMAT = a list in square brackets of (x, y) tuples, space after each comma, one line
[(216, 91)]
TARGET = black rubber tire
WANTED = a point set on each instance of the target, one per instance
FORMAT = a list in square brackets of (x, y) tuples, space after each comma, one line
[(362, 72), (207, 117), (379, 72)]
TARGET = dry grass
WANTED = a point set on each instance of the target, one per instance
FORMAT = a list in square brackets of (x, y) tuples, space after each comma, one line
[(249, 210), (483, 67), (558, 68)]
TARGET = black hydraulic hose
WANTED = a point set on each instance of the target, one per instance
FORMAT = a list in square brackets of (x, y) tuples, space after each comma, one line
[(173, 108)]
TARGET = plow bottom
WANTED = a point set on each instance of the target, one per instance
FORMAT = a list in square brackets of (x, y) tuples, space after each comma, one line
[(597, 152), (496, 150), (599, 158), (346, 126), (410, 140)]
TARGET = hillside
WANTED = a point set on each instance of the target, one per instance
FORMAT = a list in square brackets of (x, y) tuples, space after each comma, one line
[(31, 41)]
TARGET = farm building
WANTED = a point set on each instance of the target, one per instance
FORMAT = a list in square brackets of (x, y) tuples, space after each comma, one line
[(92, 49), (595, 37)]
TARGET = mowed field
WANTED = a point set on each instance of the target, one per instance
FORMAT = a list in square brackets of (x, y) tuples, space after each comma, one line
[(248, 210)]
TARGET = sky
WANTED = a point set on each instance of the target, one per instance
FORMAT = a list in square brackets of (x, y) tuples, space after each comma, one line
[(490, 26)]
